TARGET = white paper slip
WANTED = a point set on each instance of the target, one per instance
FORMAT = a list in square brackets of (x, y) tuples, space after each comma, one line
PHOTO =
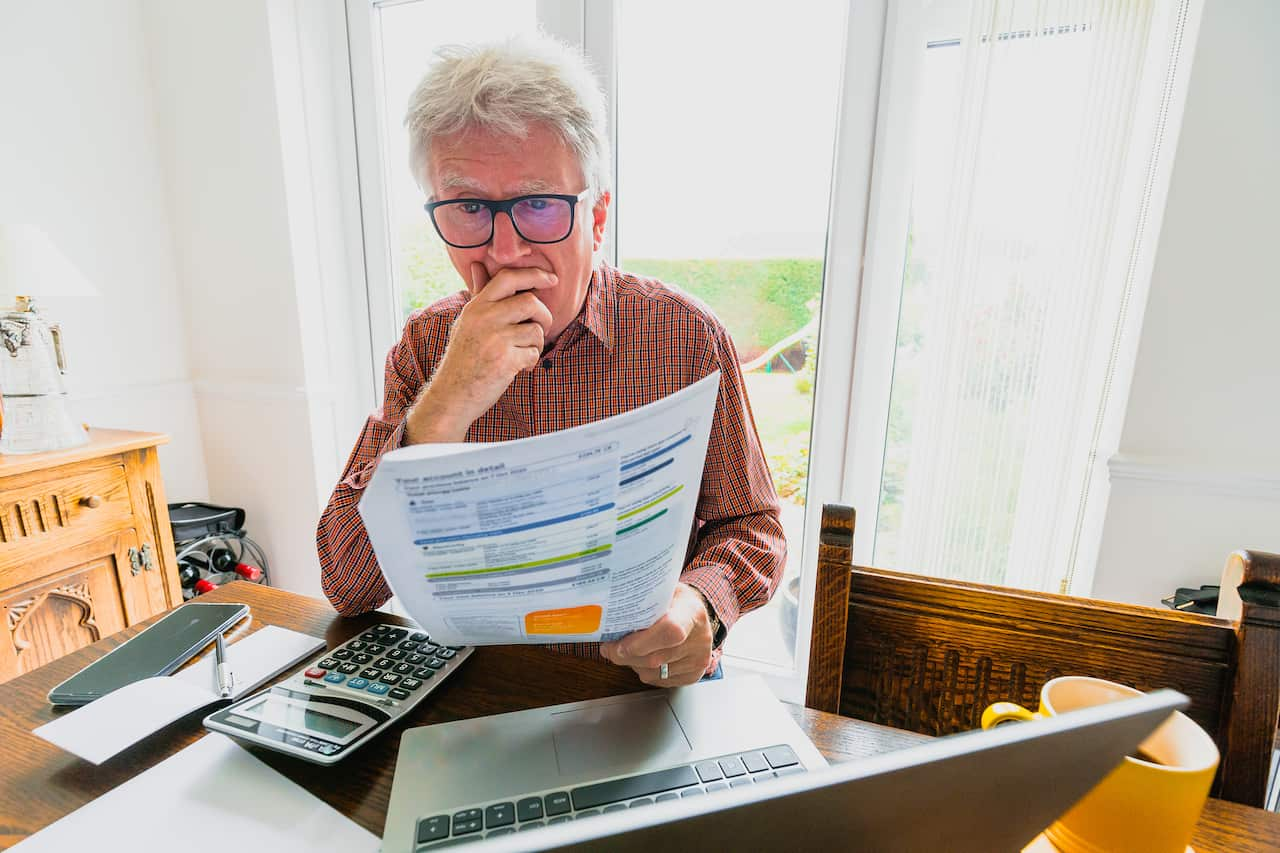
[(254, 659), (99, 730), (212, 797), (571, 536)]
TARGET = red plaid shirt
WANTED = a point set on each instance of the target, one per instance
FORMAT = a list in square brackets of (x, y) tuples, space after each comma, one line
[(636, 340)]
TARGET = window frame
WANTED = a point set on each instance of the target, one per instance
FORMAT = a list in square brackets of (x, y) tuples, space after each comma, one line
[(592, 27)]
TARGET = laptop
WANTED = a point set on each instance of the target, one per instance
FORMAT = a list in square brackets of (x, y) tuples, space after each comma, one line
[(722, 763)]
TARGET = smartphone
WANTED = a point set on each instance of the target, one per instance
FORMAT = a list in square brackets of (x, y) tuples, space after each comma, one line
[(158, 650)]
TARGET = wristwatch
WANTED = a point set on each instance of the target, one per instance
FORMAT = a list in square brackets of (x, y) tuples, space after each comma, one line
[(718, 630)]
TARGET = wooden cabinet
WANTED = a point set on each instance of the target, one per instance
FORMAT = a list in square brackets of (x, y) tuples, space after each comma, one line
[(85, 546)]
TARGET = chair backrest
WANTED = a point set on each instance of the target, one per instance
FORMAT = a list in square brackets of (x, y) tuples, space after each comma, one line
[(929, 655)]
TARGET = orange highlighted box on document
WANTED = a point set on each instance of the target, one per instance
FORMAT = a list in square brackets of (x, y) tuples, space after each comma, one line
[(564, 620)]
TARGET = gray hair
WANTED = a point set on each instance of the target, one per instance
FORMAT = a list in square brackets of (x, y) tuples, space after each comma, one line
[(505, 87)]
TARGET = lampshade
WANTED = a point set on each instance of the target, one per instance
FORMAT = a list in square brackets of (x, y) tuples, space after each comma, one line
[(32, 265)]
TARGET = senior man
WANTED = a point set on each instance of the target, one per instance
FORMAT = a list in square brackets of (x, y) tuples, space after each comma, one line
[(509, 141)]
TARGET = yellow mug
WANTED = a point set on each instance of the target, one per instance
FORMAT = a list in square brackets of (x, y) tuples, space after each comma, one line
[(1149, 803)]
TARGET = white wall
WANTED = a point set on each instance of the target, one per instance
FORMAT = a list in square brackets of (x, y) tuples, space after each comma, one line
[(258, 263), (79, 157), (1198, 473)]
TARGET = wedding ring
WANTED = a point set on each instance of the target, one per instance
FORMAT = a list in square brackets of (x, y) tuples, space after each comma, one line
[(662, 672)]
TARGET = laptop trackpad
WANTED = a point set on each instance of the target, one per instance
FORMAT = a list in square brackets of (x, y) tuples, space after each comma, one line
[(623, 735)]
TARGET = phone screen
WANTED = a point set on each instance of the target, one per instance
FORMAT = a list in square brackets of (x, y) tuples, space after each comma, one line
[(158, 650)]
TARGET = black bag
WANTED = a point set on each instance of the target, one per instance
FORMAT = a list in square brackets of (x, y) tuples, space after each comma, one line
[(193, 520)]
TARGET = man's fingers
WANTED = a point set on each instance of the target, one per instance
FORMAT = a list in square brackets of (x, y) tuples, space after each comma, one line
[(529, 357), (528, 334), (521, 307), (666, 633), (678, 675), (479, 277), (510, 281)]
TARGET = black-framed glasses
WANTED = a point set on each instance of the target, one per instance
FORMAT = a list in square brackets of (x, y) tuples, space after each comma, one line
[(466, 223)]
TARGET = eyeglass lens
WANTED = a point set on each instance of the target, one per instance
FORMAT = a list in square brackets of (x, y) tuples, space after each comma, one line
[(539, 219)]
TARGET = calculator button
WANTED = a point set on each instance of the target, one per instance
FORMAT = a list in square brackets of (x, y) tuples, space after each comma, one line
[(433, 828), (327, 663), (375, 649), (499, 814), (435, 663), (424, 673), (369, 637), (466, 815), (456, 648), (299, 741), (446, 653), (315, 672), (371, 674), (335, 678), (403, 669), (397, 693), (397, 654), (356, 645), (390, 678), (349, 668), (362, 658), (380, 629), (358, 683), (312, 745), (428, 648), (410, 684), (395, 636), (383, 663), (416, 660), (409, 646), (418, 637), (342, 654), (329, 748), (378, 688)]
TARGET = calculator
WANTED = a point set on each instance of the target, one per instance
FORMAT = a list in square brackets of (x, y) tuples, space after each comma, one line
[(334, 704)]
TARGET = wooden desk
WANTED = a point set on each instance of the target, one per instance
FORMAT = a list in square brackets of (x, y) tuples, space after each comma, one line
[(41, 783)]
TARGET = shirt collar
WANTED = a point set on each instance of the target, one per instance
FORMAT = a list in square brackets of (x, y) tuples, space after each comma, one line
[(598, 308)]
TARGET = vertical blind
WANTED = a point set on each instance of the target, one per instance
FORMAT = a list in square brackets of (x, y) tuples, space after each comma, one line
[(1015, 285)]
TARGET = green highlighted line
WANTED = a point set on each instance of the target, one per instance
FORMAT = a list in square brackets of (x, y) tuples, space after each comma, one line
[(513, 566), (641, 523), (652, 503)]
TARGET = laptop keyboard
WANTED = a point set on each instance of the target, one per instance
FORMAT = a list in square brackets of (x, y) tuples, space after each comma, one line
[(644, 789)]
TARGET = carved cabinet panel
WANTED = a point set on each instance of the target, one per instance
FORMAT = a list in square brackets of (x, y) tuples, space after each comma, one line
[(83, 603), (85, 547)]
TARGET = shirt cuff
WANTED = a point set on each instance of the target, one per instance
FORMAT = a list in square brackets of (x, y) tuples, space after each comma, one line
[(362, 475), (717, 590)]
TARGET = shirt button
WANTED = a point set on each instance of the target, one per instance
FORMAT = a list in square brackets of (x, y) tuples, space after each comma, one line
[(546, 364)]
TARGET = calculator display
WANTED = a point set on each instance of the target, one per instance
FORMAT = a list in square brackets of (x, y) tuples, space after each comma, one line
[(327, 725), (303, 719)]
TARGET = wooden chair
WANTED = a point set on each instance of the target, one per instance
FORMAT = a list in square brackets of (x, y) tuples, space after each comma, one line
[(929, 655)]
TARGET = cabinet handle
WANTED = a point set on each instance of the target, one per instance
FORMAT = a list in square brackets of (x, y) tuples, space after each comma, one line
[(91, 502), (135, 561), (148, 558)]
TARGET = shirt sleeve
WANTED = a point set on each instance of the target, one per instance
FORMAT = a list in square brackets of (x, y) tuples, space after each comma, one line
[(349, 571), (740, 552)]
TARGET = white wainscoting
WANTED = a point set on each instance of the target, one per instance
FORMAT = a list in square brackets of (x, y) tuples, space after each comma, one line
[(1172, 524), (167, 407)]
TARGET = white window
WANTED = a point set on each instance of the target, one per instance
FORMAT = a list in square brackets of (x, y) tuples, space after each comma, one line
[(1021, 163), (959, 198), (723, 174)]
